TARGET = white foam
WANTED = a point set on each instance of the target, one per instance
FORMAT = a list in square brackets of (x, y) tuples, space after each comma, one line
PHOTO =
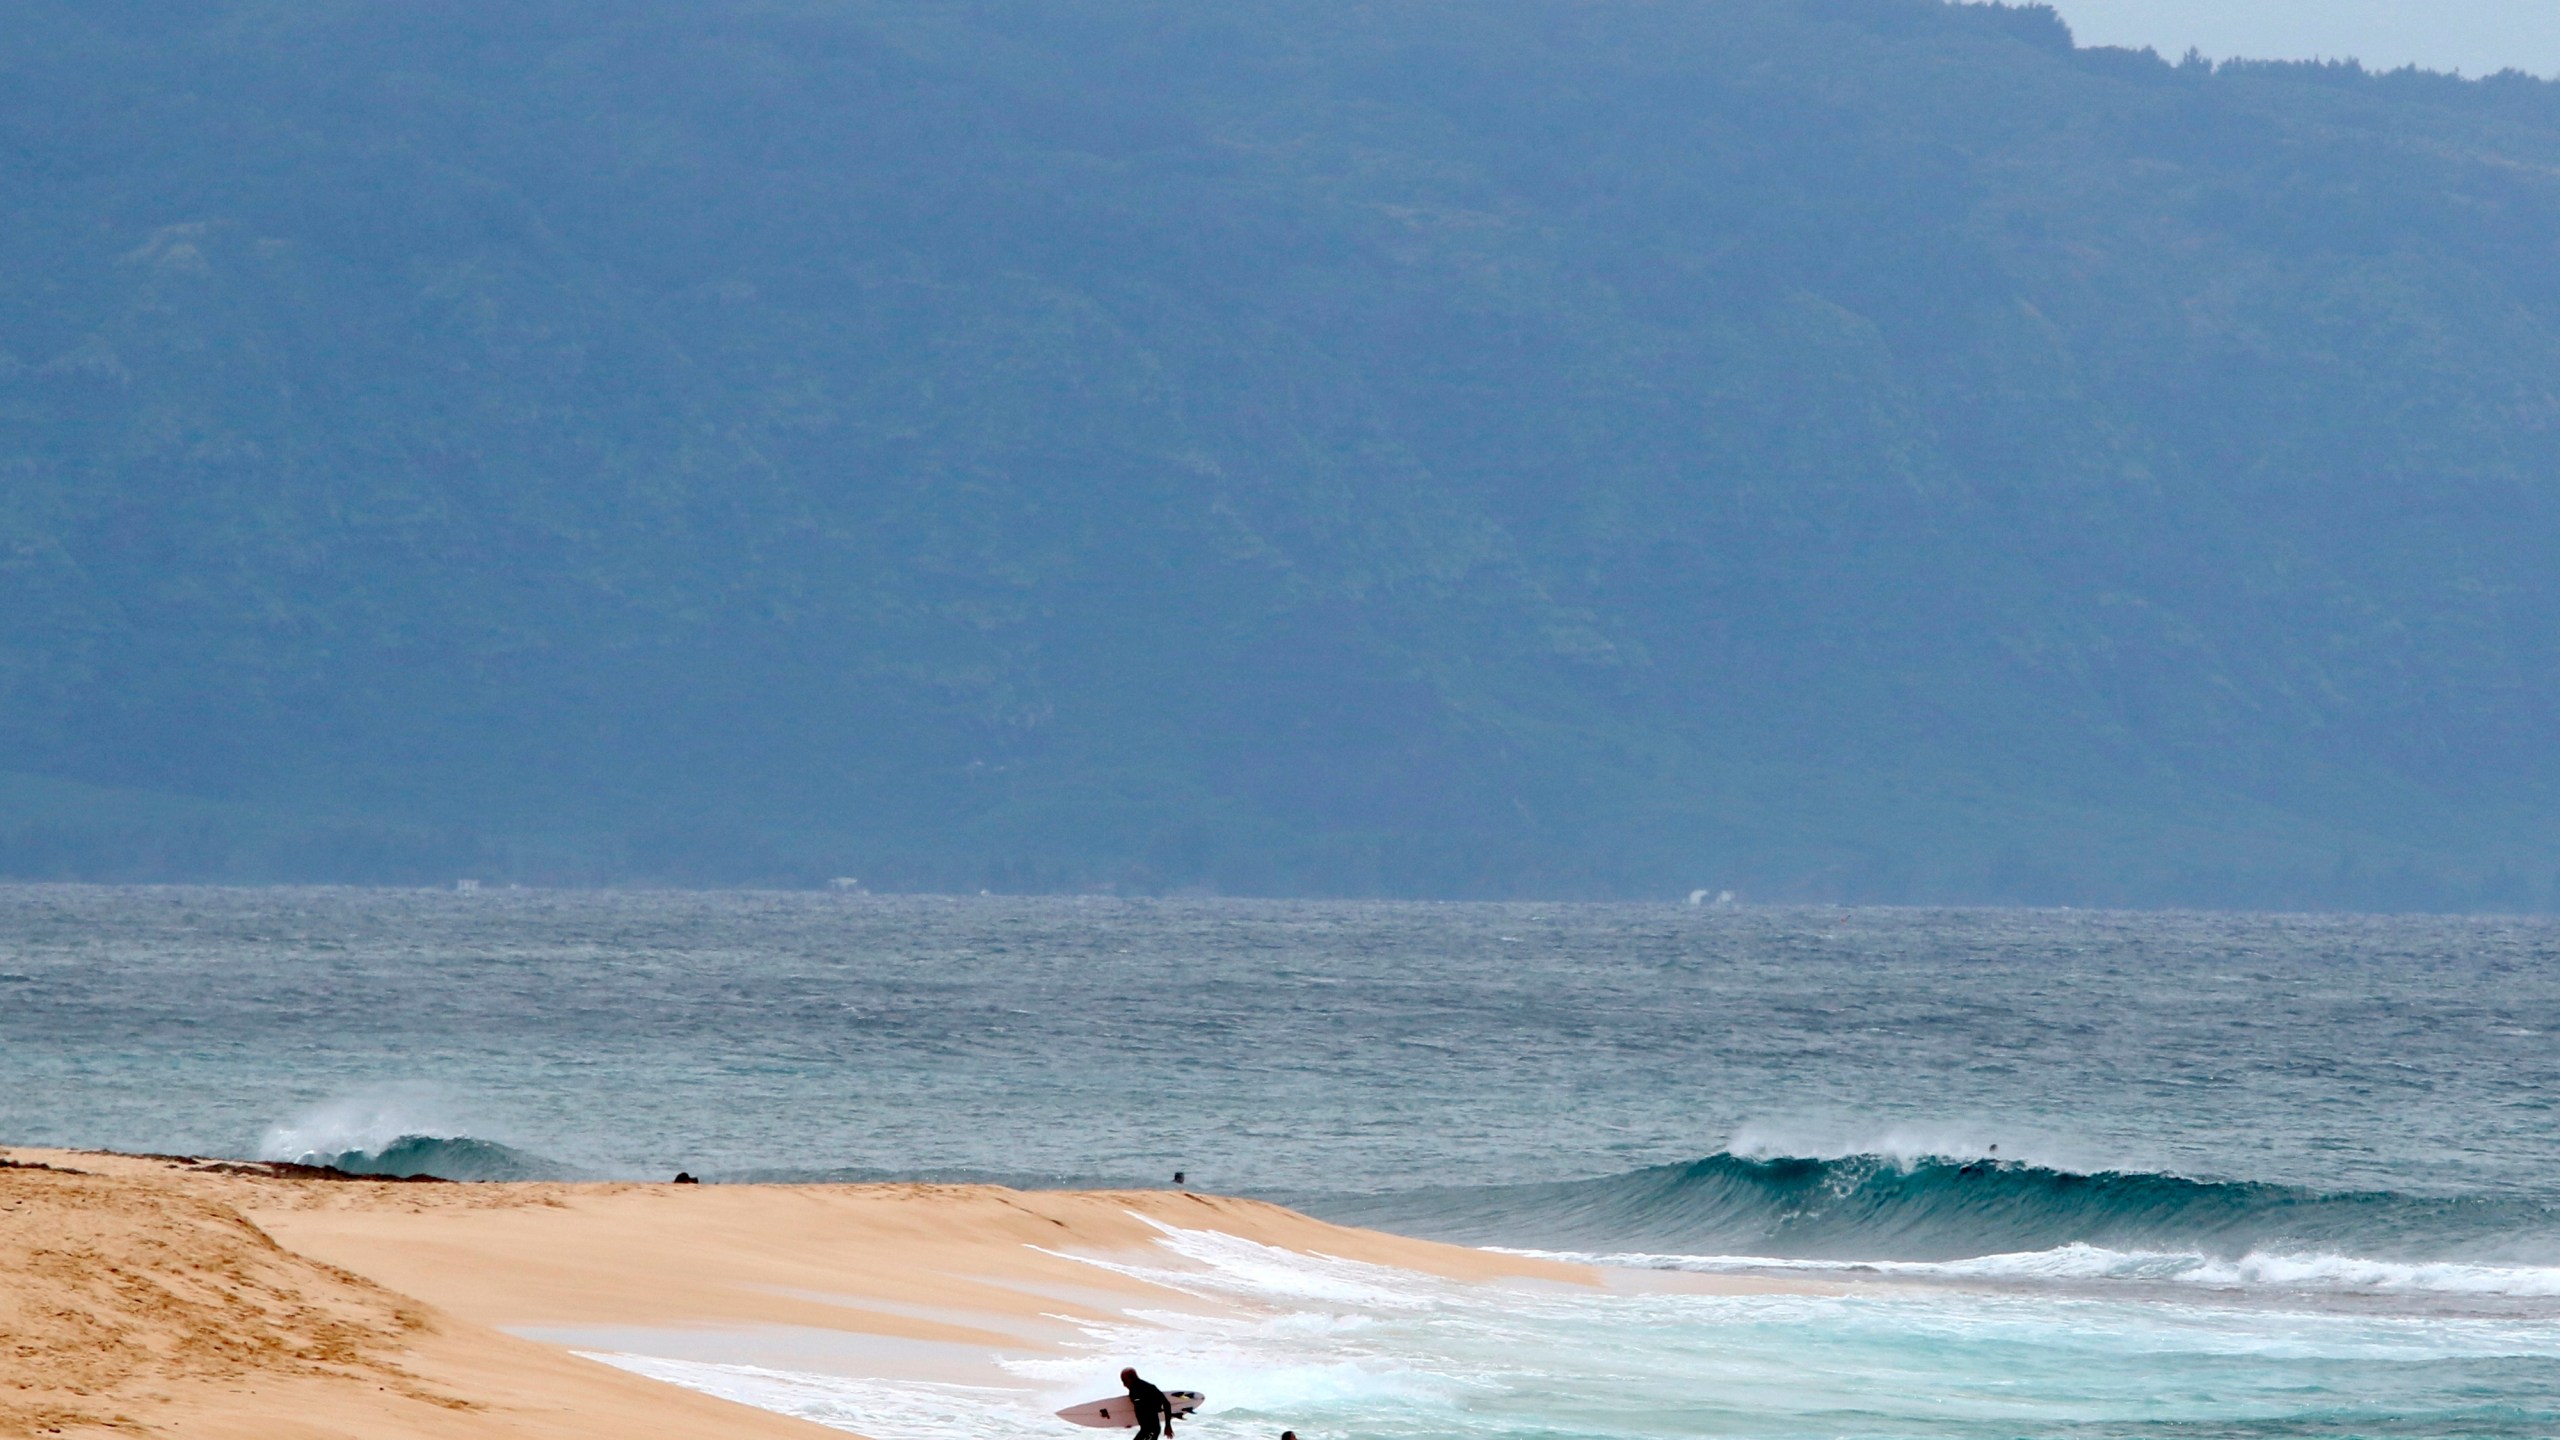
[(1907, 1145), (905, 1409), (1335, 1348), (1298, 1336), (368, 1122), (2344, 1274), (1228, 1265), (1293, 1336)]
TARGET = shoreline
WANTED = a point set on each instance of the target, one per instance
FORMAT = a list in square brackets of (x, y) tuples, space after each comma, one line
[(168, 1295)]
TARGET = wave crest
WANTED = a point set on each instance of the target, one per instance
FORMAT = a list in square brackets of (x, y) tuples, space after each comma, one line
[(446, 1157), (403, 1133), (1873, 1207)]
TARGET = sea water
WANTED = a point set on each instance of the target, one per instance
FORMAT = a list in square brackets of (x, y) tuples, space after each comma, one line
[(2060, 1173)]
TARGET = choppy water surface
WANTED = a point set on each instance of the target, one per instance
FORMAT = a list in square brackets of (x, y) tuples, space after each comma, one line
[(2254, 1175)]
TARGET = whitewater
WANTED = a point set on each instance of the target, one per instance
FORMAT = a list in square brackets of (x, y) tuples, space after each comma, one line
[(2046, 1173)]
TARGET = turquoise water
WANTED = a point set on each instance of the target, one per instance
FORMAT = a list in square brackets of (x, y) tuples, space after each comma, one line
[(2072, 1174), (1878, 1361), (1340, 1349)]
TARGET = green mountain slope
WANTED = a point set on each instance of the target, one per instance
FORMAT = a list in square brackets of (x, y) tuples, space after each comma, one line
[(1819, 448)]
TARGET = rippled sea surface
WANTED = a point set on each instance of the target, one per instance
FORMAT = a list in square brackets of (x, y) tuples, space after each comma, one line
[(2082, 1173)]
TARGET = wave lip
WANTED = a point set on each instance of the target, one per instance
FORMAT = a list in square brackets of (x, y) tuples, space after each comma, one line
[(1874, 1208), (400, 1133), (457, 1157)]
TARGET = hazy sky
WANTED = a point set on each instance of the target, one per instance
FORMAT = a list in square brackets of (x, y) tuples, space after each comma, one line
[(2473, 36)]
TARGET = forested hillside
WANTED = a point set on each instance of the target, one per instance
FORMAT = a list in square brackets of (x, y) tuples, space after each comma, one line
[(1840, 449)]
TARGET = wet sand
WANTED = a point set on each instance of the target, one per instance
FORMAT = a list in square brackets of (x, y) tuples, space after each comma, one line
[(143, 1295)]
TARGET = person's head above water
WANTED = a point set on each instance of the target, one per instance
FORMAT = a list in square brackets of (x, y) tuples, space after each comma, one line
[(1128, 1374)]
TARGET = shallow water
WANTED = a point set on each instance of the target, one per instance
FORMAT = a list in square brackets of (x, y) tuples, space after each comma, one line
[(2254, 1175), (1339, 1349)]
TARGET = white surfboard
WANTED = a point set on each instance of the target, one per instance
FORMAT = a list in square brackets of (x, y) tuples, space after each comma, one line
[(1117, 1413)]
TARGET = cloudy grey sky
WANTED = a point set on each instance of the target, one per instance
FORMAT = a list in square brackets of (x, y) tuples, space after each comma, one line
[(2473, 36)]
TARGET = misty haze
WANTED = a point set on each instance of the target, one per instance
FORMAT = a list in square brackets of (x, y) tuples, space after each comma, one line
[(1863, 450), (1279, 719)]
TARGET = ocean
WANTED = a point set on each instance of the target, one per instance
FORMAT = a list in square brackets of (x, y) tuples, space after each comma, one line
[(2060, 1173)]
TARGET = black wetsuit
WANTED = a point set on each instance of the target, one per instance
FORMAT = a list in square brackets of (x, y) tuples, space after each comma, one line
[(1153, 1409)]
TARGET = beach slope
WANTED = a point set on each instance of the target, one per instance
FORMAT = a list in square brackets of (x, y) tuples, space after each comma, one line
[(146, 1295)]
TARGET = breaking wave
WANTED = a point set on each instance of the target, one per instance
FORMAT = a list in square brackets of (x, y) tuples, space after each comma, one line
[(1936, 1210), (402, 1136), (446, 1157)]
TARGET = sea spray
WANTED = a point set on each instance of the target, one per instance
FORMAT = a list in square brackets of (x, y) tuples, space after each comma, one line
[(402, 1135), (357, 1123), (445, 1157)]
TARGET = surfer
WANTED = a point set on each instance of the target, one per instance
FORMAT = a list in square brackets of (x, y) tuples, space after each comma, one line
[(1149, 1403)]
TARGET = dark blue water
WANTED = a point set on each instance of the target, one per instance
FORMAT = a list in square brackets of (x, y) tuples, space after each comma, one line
[(2270, 1122), (1283, 1046)]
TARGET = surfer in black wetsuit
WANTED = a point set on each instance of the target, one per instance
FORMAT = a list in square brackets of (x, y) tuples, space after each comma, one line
[(1150, 1404)]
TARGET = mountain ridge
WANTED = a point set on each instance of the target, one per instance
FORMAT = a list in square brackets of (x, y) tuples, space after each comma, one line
[(1827, 449)]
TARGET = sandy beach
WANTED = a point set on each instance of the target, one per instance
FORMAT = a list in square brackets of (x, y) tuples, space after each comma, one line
[(144, 1295)]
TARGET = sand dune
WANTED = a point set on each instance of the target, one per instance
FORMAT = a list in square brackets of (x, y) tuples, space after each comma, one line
[(154, 1296)]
